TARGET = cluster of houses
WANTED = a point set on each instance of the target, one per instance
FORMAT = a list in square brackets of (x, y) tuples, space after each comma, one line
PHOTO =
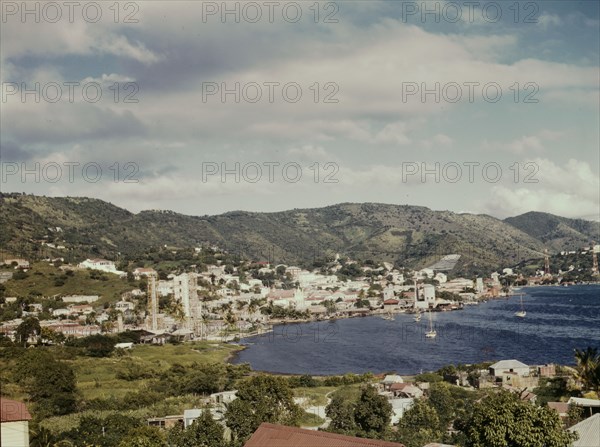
[(511, 375), (236, 300), (221, 299)]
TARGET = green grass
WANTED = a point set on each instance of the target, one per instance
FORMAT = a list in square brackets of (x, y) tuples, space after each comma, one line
[(40, 279), (98, 377), (349, 392), (167, 406), (310, 420), (316, 396)]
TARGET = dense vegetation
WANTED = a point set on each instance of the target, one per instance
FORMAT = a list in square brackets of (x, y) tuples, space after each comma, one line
[(74, 392), (412, 236)]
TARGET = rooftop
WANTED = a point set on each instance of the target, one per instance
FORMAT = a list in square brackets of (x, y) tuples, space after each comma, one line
[(588, 430), (13, 411), (508, 364), (271, 435)]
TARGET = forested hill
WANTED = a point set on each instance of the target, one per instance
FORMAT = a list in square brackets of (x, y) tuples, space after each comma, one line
[(411, 235)]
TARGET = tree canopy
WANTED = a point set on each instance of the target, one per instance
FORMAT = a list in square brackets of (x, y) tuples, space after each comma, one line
[(504, 420)]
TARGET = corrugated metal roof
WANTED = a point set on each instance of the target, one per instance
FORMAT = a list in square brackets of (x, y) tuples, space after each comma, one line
[(509, 364), (13, 411), (589, 432), (271, 435)]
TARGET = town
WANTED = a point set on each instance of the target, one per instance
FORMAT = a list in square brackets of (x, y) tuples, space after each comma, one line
[(223, 298), (233, 297)]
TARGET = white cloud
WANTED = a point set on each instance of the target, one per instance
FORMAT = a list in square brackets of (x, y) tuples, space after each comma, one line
[(526, 144), (572, 190), (546, 20)]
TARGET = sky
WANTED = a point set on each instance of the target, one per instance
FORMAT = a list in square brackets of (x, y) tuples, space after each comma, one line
[(209, 107)]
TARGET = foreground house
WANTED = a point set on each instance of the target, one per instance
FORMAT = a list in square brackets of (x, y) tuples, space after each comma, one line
[(271, 435), (14, 423), (588, 431)]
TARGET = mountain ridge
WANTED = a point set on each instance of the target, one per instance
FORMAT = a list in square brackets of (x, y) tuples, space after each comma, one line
[(413, 236)]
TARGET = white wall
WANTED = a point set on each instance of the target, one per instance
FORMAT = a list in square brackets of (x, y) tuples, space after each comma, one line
[(14, 434)]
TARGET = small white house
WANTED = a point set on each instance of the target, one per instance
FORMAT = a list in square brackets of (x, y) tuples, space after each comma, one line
[(103, 265), (503, 367)]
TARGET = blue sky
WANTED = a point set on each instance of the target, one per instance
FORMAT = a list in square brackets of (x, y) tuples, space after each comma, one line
[(375, 140)]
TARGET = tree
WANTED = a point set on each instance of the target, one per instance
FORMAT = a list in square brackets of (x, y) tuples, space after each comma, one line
[(372, 413), (103, 432), (49, 335), (441, 400), (551, 390), (588, 368), (143, 437), (504, 420), (204, 432), (419, 425), (99, 345), (50, 383), (30, 326), (260, 399), (341, 413)]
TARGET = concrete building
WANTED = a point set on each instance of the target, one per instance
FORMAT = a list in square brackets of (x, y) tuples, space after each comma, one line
[(479, 285), (103, 265), (502, 367), (80, 298)]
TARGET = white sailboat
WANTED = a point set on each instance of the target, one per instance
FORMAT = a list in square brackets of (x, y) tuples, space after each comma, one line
[(431, 333), (521, 313), (417, 317), (389, 316)]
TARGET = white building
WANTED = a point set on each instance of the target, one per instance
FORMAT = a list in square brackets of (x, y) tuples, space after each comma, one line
[(185, 287), (101, 264), (143, 271), (124, 306), (59, 312), (399, 406), (80, 298), (479, 285), (425, 298), (426, 273), (504, 367), (440, 277), (495, 278)]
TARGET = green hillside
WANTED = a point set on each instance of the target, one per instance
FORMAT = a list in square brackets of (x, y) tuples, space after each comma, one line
[(409, 235)]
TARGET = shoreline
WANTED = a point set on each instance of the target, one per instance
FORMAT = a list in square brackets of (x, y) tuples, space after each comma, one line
[(535, 358)]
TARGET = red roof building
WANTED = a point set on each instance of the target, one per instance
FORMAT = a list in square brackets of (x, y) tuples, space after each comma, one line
[(271, 435), (13, 411)]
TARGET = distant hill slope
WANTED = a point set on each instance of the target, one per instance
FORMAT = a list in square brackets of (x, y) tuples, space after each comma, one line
[(410, 235), (558, 233)]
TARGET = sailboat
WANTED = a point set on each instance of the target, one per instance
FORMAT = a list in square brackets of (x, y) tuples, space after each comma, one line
[(521, 313), (389, 316), (417, 317), (431, 333)]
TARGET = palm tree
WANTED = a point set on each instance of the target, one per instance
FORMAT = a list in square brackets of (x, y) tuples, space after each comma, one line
[(588, 367)]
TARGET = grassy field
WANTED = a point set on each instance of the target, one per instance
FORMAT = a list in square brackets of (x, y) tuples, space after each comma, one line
[(99, 377), (316, 396), (42, 279)]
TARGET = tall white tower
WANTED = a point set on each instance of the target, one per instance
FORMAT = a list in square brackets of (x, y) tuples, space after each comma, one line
[(153, 301)]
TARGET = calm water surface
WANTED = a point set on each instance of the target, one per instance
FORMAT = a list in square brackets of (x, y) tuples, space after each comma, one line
[(559, 319)]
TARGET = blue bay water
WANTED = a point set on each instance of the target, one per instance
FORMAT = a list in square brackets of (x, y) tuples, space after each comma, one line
[(559, 319)]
